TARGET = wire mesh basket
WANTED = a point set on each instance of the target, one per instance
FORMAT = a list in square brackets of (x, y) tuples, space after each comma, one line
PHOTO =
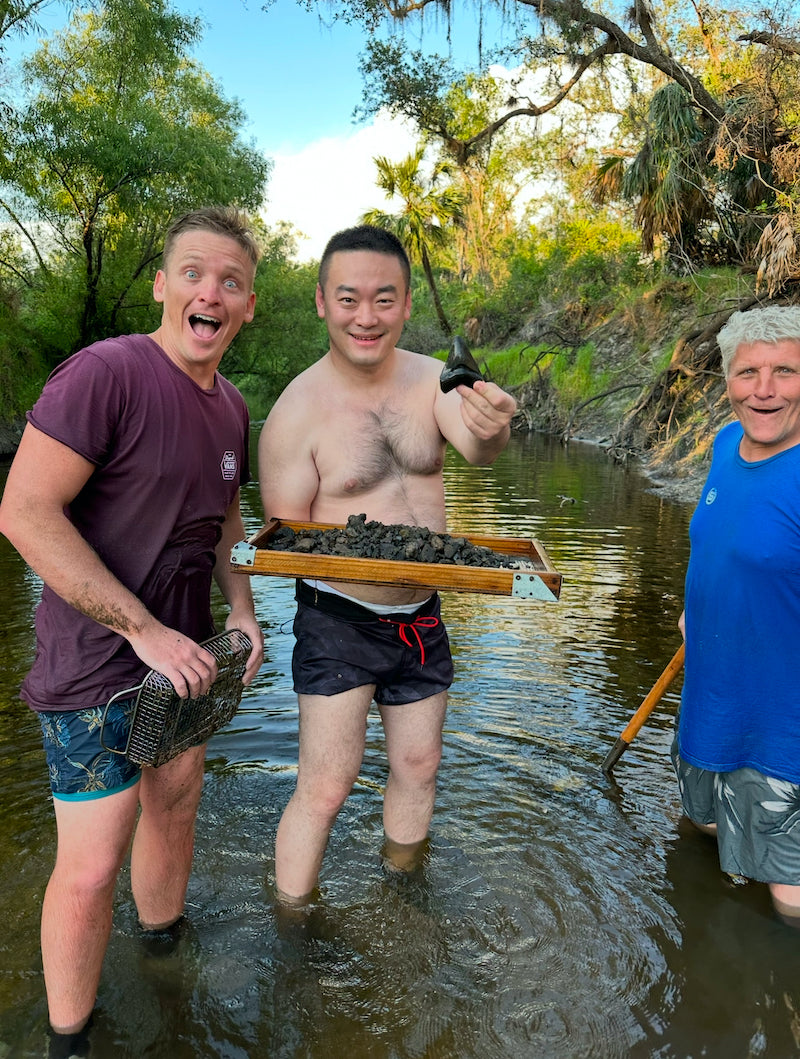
[(163, 725)]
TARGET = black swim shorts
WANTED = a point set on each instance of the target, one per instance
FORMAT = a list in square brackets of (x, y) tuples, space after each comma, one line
[(341, 645)]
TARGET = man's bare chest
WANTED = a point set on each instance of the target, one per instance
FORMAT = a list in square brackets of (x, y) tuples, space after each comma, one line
[(371, 446)]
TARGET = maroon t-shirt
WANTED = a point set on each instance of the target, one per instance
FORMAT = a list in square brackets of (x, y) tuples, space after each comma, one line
[(169, 459)]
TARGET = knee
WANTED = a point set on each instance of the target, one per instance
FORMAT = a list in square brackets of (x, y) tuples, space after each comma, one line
[(418, 766), (786, 900), (326, 796), (86, 881), (173, 791)]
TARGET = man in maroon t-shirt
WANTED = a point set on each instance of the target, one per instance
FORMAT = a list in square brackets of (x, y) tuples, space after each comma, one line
[(124, 498)]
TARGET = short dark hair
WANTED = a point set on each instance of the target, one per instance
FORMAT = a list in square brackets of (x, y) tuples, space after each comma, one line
[(365, 237), (221, 220)]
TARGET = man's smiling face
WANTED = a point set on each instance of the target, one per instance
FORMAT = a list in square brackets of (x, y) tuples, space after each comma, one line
[(365, 305), (206, 287), (764, 391)]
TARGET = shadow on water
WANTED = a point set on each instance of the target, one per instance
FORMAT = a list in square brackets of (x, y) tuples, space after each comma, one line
[(560, 914)]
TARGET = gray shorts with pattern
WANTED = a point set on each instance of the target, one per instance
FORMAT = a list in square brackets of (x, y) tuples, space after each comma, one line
[(757, 818)]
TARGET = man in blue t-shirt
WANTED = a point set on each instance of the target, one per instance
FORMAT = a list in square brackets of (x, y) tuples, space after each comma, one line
[(737, 747), (124, 498)]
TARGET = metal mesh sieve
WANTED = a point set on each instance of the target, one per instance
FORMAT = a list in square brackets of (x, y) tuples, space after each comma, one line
[(164, 725)]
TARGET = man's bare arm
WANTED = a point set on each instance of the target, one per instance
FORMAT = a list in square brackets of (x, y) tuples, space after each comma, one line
[(287, 473), (44, 478), (237, 589)]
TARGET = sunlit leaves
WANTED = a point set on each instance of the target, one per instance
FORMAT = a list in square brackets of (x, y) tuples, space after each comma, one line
[(121, 131)]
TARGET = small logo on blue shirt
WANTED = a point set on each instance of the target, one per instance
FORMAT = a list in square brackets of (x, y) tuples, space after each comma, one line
[(712, 496)]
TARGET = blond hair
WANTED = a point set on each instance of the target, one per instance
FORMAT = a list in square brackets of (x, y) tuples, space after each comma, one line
[(221, 220)]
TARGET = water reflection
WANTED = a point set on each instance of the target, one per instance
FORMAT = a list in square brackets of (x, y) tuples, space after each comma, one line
[(560, 914)]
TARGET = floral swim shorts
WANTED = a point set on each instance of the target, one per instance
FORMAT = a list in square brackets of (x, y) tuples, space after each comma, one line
[(80, 766), (757, 818)]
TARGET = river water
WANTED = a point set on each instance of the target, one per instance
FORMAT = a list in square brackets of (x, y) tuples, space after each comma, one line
[(561, 914)]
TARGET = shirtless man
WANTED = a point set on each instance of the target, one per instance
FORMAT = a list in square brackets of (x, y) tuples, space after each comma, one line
[(364, 430)]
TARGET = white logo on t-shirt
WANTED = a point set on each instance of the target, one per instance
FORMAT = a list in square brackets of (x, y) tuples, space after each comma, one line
[(228, 466), (712, 496)]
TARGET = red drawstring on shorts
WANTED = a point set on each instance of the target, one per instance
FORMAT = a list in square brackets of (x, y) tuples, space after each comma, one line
[(423, 622)]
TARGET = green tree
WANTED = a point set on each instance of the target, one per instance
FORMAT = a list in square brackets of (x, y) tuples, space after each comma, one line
[(491, 178), (717, 192), (566, 39), (666, 180), (734, 72), (122, 132), (286, 335), (425, 222)]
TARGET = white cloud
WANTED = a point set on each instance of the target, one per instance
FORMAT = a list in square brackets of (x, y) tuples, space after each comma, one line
[(327, 185)]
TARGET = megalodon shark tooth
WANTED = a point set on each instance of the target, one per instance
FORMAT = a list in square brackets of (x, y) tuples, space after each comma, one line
[(460, 368)]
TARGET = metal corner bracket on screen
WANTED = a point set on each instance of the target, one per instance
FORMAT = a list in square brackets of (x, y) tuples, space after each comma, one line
[(531, 586), (243, 554)]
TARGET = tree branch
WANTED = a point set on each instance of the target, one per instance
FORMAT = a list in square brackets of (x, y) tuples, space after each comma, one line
[(782, 44), (16, 220)]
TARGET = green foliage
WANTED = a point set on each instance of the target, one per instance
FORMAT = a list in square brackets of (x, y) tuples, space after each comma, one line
[(585, 262), (428, 215), (286, 335), (514, 366), (694, 107), (121, 133), (407, 83), (590, 260), (49, 310), (711, 288), (22, 370), (509, 368), (574, 377)]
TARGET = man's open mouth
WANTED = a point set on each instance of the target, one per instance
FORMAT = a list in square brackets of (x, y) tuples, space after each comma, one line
[(204, 326)]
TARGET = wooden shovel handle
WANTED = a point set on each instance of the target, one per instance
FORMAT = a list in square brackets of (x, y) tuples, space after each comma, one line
[(650, 702)]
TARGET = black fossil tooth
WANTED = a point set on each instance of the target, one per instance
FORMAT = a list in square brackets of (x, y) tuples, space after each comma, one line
[(460, 367)]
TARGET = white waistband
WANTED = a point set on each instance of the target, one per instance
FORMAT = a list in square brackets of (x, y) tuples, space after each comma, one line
[(376, 608)]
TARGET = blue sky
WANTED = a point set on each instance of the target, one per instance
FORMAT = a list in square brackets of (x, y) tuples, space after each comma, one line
[(297, 76), (298, 82)]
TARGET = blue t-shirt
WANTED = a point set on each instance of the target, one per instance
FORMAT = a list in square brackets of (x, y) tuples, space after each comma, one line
[(741, 695)]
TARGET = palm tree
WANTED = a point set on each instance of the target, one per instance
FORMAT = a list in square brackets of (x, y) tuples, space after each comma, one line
[(705, 189), (423, 223), (666, 179)]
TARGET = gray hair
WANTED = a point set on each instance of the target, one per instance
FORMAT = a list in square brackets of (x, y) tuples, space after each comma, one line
[(771, 324)]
